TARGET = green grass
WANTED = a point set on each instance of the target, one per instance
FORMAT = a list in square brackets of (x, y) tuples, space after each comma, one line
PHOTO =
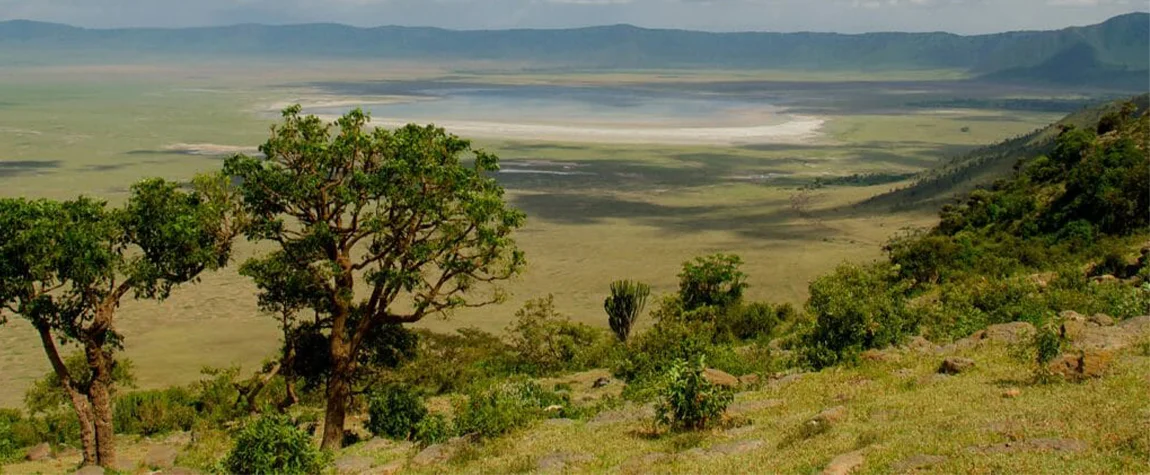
[(643, 211)]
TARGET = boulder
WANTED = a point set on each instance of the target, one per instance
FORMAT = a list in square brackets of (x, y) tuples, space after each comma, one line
[(40, 452), (1102, 338), (160, 457), (1084, 365), (1102, 320), (1009, 332), (920, 344), (832, 416), (956, 365), (845, 463), (1136, 326), (720, 378), (439, 453), (749, 380), (353, 465)]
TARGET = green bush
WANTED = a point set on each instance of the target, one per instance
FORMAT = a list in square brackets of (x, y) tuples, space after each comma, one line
[(754, 321), (546, 342), (688, 400), (712, 281), (856, 308), (653, 352), (624, 306), (8, 444), (394, 412), (433, 429), (448, 363), (273, 445), (154, 412), (497, 409)]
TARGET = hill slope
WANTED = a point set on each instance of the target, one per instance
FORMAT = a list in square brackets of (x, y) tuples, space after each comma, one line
[(1121, 42), (982, 166)]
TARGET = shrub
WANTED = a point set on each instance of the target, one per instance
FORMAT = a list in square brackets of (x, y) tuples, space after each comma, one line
[(1040, 349), (546, 342), (688, 400), (755, 321), (433, 429), (271, 444), (652, 353), (8, 444), (154, 412), (713, 280), (856, 308), (447, 363), (394, 412), (502, 407), (624, 306)]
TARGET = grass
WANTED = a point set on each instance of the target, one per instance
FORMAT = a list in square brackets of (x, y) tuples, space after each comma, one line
[(641, 211)]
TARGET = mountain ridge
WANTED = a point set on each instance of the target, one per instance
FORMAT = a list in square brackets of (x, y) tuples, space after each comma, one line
[(1121, 42)]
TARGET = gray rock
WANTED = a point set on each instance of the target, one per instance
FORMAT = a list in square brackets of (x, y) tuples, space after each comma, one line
[(40, 452), (720, 378), (1102, 320), (353, 465), (432, 454), (845, 463), (956, 365), (161, 457), (1009, 332)]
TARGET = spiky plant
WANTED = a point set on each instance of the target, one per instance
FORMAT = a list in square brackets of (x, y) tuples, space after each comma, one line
[(624, 306)]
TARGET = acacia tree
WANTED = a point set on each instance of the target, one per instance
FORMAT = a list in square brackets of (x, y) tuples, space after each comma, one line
[(381, 227), (66, 266)]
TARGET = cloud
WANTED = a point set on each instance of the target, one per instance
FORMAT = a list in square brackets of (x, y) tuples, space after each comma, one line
[(850, 16)]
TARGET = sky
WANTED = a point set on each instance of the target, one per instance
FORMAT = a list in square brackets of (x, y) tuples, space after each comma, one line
[(844, 16)]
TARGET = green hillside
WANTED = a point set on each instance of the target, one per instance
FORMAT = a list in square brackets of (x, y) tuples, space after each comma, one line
[(1122, 43), (980, 167)]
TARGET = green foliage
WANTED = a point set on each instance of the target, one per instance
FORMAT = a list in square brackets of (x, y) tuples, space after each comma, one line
[(395, 412), (856, 308), (385, 347), (433, 429), (447, 363), (155, 412), (47, 394), (501, 407), (688, 400), (545, 341), (273, 445), (711, 281), (8, 442), (624, 306), (1040, 349), (753, 321)]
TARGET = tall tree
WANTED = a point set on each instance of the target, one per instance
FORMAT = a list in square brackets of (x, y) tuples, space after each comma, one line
[(66, 267), (381, 227)]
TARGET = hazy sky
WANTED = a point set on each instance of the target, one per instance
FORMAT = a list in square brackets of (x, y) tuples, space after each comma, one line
[(960, 16)]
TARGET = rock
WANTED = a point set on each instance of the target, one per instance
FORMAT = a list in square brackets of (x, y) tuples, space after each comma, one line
[(1008, 332), (1085, 365), (1136, 326), (831, 416), (39, 452), (917, 462), (90, 470), (160, 457), (439, 453), (956, 365), (559, 461), (389, 469), (738, 447), (1071, 316), (1102, 320), (1101, 338), (1072, 329), (379, 444), (749, 380), (783, 380), (845, 463), (1033, 445), (720, 378), (601, 382), (920, 344), (353, 465), (1012, 393), (877, 356)]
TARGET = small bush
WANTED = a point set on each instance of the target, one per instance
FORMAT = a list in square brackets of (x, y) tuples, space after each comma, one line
[(433, 429), (394, 412), (8, 444), (712, 281), (500, 408), (624, 306), (546, 342), (856, 308), (754, 321), (154, 412), (447, 363), (688, 400), (273, 445), (1039, 349)]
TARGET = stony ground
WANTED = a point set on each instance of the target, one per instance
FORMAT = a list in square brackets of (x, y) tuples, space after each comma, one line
[(968, 407)]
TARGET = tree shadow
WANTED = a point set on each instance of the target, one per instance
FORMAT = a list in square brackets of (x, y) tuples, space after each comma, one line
[(11, 168)]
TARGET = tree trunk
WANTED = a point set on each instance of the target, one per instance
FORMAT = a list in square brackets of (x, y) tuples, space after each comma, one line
[(338, 393), (79, 402), (100, 393)]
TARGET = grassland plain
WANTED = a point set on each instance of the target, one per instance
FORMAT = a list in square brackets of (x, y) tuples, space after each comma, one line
[(601, 212)]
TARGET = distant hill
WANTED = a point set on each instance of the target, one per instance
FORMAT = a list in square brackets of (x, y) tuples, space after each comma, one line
[(1121, 43), (982, 166)]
